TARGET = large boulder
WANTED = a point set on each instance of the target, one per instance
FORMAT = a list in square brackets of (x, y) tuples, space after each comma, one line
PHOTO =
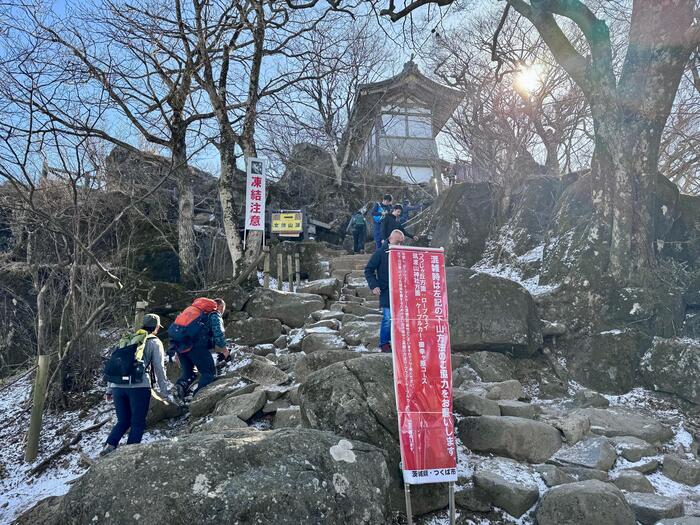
[(607, 361), (286, 476), (470, 404), (651, 508), (290, 308), (508, 485), (361, 333), (589, 502), (160, 409), (491, 313), (243, 406), (614, 422), (321, 359), (673, 365), (682, 470), (254, 331), (329, 288), (513, 437), (205, 401), (320, 342), (263, 372), (596, 453), (356, 399)]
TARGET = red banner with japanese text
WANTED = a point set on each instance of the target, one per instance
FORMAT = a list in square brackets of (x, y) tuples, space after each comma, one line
[(255, 194), (420, 339)]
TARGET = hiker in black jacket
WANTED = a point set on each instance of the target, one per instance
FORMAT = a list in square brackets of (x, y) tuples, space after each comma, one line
[(377, 275), (390, 222)]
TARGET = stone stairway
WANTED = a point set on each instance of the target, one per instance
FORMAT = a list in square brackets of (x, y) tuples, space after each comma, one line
[(356, 298)]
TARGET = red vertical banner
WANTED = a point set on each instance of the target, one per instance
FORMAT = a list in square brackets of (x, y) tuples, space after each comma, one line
[(420, 339)]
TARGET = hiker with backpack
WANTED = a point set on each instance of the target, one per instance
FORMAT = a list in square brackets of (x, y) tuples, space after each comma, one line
[(127, 371), (379, 211), (359, 231), (197, 331), (391, 222)]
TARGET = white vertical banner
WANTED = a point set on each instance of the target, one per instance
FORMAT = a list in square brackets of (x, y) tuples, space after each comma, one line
[(256, 170)]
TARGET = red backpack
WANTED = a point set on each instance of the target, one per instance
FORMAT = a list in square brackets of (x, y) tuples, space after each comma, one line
[(189, 325)]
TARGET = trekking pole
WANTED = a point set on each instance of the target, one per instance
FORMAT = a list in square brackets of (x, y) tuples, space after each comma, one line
[(290, 272), (297, 266), (266, 267), (280, 271)]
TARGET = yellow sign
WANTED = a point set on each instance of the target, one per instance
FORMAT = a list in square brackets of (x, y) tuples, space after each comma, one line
[(287, 222)]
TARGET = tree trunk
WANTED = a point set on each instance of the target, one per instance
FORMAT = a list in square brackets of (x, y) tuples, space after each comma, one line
[(187, 247), (228, 202)]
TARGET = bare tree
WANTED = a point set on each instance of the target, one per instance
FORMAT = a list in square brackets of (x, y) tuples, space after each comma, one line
[(344, 55), (629, 109), (133, 54)]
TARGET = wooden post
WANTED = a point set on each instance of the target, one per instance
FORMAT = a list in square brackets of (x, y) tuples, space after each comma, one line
[(290, 272), (280, 270), (297, 267), (140, 312), (266, 267), (42, 376)]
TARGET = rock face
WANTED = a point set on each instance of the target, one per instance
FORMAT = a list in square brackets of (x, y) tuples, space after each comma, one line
[(462, 222), (468, 404), (160, 409), (513, 437), (633, 481), (205, 401), (254, 331), (286, 476), (584, 503), (355, 399), (291, 309), (491, 366), (633, 449), (263, 372), (621, 422), (673, 365), (608, 361), (491, 313)]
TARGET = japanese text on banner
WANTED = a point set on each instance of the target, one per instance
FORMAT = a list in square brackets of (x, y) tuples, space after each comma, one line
[(255, 194), (422, 368)]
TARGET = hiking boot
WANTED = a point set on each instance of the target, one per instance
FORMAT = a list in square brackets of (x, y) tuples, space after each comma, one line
[(386, 348), (107, 449), (180, 393)]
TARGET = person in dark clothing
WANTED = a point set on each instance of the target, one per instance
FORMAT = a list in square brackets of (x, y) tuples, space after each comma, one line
[(407, 211), (210, 338), (391, 222), (131, 400), (378, 212), (358, 227), (377, 275)]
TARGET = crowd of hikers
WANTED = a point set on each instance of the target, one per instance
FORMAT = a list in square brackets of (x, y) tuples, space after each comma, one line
[(385, 218), (137, 364)]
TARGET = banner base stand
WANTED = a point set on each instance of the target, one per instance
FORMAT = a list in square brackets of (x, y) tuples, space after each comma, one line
[(409, 512)]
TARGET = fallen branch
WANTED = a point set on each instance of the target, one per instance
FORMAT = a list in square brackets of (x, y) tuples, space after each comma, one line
[(65, 448)]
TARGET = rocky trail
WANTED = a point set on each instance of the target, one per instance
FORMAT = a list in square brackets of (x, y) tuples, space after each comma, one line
[(300, 427)]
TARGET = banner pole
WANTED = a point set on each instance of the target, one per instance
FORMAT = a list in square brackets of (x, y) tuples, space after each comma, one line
[(409, 512), (453, 517)]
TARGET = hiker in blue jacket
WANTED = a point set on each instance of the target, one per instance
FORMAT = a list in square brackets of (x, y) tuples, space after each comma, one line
[(377, 275), (379, 210)]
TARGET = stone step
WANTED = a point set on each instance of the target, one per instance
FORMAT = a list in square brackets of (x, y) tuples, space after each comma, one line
[(349, 262)]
